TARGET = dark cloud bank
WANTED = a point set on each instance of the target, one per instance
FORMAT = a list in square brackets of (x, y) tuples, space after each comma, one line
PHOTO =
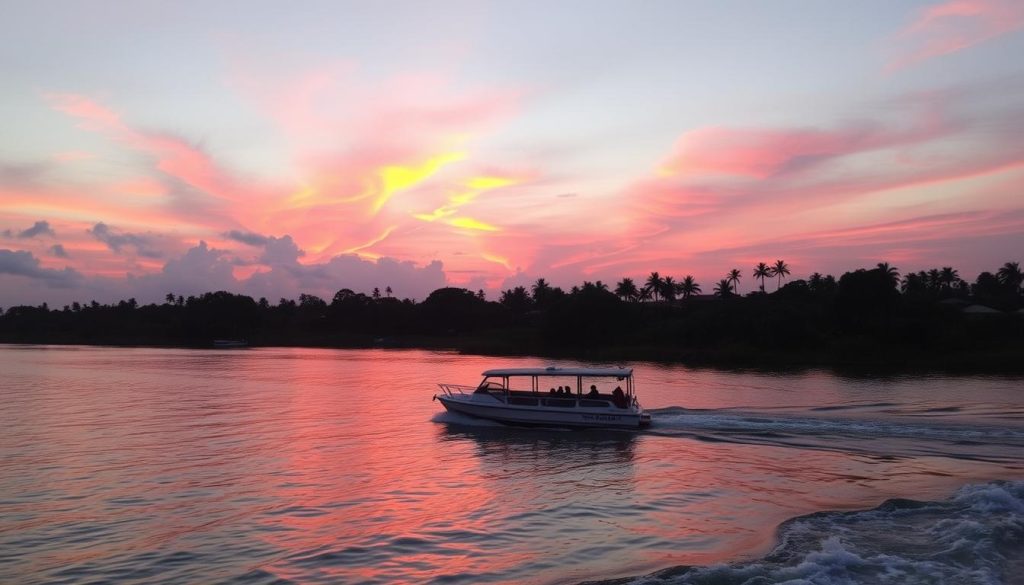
[(39, 228), (203, 269)]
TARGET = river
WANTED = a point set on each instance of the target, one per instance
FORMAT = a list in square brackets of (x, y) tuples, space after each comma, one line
[(293, 465)]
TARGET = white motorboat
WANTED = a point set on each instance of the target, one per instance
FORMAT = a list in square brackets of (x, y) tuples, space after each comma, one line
[(527, 396)]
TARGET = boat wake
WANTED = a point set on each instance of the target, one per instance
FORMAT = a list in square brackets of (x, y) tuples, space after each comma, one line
[(893, 437), (974, 537)]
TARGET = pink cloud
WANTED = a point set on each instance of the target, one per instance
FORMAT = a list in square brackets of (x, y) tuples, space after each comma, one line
[(953, 26), (374, 172), (915, 242), (761, 153), (173, 155), (715, 172), (366, 160), (736, 195)]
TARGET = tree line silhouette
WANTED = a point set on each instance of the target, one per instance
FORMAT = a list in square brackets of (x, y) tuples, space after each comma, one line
[(867, 316)]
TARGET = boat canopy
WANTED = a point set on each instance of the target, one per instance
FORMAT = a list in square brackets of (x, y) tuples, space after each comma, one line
[(553, 371)]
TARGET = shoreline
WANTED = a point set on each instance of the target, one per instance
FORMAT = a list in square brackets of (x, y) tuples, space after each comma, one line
[(879, 361)]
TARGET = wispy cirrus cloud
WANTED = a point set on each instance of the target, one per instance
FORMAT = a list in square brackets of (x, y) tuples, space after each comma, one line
[(761, 153), (916, 139), (173, 155), (723, 192), (365, 160), (953, 26)]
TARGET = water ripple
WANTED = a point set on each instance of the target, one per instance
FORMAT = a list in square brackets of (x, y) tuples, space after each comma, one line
[(307, 466)]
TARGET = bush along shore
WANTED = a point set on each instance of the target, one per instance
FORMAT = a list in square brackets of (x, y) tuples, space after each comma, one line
[(868, 318)]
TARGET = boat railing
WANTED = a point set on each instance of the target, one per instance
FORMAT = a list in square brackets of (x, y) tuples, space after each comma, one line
[(528, 398), (453, 389)]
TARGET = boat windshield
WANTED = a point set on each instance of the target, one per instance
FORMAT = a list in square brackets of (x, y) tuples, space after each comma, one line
[(489, 386)]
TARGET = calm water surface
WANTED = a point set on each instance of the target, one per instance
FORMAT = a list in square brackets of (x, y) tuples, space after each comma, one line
[(327, 466)]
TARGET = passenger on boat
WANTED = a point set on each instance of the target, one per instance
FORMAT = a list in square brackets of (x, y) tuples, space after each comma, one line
[(593, 392), (552, 391), (619, 397)]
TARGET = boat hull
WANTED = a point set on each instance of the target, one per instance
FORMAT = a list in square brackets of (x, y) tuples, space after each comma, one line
[(538, 416)]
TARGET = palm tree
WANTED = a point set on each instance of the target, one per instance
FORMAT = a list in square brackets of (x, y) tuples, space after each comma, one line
[(913, 282), (734, 278), (644, 294), (376, 292), (1010, 276), (688, 287), (762, 271), (626, 289), (169, 298), (780, 269), (723, 288), (668, 289), (388, 291), (934, 278), (540, 290), (517, 300), (948, 276), (655, 283), (814, 281), (891, 272)]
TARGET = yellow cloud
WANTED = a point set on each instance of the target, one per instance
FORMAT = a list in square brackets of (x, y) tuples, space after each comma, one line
[(358, 249), (434, 215), (496, 259), (471, 224), (395, 178), (472, 188), (488, 183), (304, 194)]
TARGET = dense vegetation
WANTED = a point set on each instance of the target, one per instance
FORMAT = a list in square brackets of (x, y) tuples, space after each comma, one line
[(929, 319)]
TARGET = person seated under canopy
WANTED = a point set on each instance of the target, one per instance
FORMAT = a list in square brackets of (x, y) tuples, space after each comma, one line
[(593, 392), (619, 397)]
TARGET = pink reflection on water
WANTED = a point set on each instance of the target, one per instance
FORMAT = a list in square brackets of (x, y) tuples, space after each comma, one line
[(321, 465)]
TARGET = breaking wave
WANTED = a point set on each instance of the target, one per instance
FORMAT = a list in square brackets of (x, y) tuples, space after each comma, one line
[(975, 537)]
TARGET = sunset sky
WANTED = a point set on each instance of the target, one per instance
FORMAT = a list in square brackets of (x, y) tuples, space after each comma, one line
[(277, 148)]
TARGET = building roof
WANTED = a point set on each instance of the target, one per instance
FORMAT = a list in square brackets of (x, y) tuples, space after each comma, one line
[(553, 371)]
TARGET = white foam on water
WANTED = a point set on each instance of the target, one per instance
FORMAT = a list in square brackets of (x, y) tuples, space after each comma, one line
[(678, 419), (976, 537)]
